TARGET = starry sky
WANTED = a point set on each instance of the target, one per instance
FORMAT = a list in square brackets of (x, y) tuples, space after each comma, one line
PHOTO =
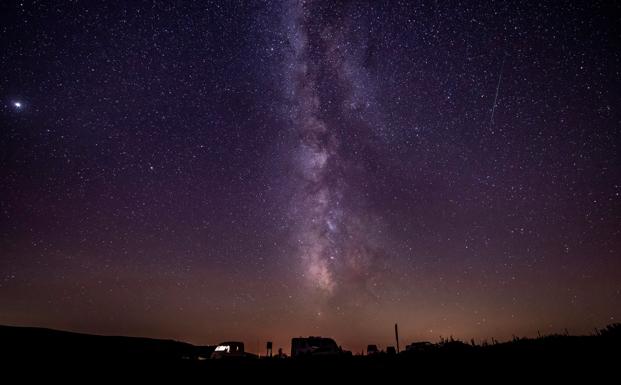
[(259, 170)]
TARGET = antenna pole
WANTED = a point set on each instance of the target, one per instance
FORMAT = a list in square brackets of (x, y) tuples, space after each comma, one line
[(397, 337)]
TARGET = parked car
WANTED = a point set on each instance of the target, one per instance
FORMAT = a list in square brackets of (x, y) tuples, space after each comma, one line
[(419, 347), (314, 346)]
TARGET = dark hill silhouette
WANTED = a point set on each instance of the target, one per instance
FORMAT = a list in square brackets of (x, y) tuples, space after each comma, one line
[(30, 343), (556, 356)]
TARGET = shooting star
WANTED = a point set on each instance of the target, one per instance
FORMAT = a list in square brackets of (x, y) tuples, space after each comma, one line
[(491, 118)]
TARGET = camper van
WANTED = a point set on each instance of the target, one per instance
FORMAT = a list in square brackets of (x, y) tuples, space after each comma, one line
[(232, 349), (314, 346)]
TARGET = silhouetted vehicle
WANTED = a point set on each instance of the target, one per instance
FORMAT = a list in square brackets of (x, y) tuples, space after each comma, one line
[(232, 349), (391, 350), (372, 349), (314, 346), (419, 347)]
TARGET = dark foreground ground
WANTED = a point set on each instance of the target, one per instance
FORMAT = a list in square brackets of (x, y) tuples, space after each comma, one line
[(42, 354)]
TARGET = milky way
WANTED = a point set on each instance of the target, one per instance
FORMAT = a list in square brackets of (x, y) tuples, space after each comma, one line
[(324, 73)]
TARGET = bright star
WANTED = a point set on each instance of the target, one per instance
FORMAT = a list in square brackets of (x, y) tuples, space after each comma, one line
[(17, 105)]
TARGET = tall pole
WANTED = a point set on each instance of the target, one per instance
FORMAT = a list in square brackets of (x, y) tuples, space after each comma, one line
[(397, 336)]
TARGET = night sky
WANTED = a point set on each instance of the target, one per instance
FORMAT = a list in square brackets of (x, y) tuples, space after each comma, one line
[(254, 171)]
